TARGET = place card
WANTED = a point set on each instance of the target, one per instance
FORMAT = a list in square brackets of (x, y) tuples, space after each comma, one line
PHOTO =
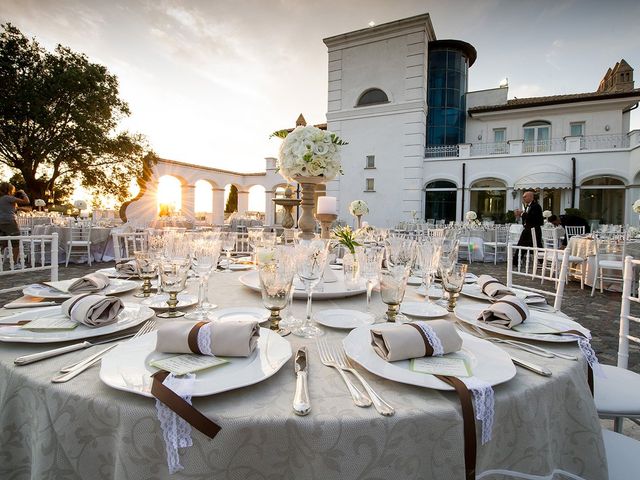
[(50, 323), (187, 363), (452, 364), (61, 286), (535, 328)]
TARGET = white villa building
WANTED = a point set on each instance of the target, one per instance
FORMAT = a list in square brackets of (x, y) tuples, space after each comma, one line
[(420, 141)]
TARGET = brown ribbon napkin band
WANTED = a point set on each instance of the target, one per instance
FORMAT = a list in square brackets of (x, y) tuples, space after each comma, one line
[(192, 338), (181, 407), (517, 307), (428, 349), (468, 424)]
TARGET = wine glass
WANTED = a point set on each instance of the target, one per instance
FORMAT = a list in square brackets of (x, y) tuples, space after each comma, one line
[(228, 240), (275, 270), (147, 266), (205, 253), (429, 256), (311, 260), (173, 274), (254, 235), (452, 282), (393, 283), (370, 260)]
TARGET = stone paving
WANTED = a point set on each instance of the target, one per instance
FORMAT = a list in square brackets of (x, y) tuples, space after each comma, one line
[(599, 313)]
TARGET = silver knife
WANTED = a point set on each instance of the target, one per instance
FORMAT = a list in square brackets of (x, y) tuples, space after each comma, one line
[(301, 404), (35, 357), (540, 370)]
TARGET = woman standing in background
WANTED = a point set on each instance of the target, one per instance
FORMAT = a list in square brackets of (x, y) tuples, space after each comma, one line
[(9, 201)]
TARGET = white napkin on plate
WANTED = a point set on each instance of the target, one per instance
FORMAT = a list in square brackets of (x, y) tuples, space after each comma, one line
[(91, 282), (93, 310), (507, 312), (127, 268)]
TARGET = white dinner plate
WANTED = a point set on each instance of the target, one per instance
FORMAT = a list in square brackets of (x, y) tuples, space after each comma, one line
[(113, 273), (468, 278), (132, 315), (487, 361), (240, 266), (322, 292), (343, 318), (257, 313), (126, 367), (475, 291), (414, 280), (435, 291), (115, 286), (423, 309), (469, 314), (159, 302)]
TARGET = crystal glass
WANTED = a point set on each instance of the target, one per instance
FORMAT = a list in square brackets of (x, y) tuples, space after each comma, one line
[(228, 240), (311, 260), (147, 266), (276, 270), (254, 236), (393, 283), (370, 260), (173, 275), (400, 251), (452, 282), (428, 257), (205, 253)]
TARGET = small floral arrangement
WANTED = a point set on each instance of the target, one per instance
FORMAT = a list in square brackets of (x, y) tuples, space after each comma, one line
[(471, 215), (309, 151), (38, 202), (636, 206), (358, 207), (80, 204), (634, 232), (414, 215), (547, 213), (347, 237)]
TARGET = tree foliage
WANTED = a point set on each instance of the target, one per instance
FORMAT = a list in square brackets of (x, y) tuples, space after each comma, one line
[(58, 119), (232, 200)]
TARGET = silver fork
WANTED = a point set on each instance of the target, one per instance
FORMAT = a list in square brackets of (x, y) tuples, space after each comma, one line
[(359, 398), (71, 371), (343, 362)]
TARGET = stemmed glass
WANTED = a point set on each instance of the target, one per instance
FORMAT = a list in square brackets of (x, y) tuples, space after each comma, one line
[(429, 257), (400, 254), (205, 253), (173, 274), (370, 260), (452, 282), (311, 260), (228, 240), (254, 235), (147, 266), (275, 270)]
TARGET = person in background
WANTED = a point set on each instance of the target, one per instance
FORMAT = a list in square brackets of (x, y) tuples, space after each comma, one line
[(555, 221), (531, 218), (9, 202)]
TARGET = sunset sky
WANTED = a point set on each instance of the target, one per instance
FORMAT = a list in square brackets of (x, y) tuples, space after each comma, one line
[(207, 81)]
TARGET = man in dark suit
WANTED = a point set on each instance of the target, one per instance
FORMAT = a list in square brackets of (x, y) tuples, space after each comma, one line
[(531, 218)]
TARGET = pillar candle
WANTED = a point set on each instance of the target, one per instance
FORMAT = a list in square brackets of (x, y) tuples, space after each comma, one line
[(327, 205)]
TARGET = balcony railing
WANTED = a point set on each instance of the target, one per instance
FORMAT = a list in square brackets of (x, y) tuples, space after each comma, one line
[(553, 145), (604, 142), (440, 151), (483, 149)]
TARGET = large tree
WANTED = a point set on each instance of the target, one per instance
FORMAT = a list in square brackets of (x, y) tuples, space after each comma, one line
[(58, 118)]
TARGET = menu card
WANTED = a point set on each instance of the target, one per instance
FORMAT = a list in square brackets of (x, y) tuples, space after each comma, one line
[(452, 364), (50, 323), (187, 363)]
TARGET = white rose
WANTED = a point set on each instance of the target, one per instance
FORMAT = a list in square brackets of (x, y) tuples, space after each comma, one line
[(547, 213)]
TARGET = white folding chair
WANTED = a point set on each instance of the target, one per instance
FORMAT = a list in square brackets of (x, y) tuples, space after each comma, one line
[(242, 246), (30, 249), (570, 231), (623, 455), (126, 243), (79, 238), (610, 254), (499, 243), (617, 395), (526, 266)]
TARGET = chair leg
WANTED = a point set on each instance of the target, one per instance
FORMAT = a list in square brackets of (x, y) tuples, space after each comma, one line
[(583, 274), (89, 255), (601, 281), (66, 263), (617, 424)]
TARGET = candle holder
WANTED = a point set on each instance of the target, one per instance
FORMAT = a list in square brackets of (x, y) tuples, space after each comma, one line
[(326, 219)]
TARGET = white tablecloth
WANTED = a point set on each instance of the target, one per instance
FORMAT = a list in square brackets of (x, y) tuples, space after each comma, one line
[(84, 429)]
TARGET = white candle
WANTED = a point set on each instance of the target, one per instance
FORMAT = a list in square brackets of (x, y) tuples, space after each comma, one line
[(327, 205)]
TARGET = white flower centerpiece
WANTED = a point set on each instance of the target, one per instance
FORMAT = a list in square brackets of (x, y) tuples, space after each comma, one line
[(546, 214), (80, 205), (471, 216), (358, 208), (309, 156), (38, 202), (636, 206)]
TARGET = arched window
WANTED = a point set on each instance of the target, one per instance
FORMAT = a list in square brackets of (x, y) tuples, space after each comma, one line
[(169, 196), (373, 96), (440, 200), (537, 136), (602, 199), (489, 199)]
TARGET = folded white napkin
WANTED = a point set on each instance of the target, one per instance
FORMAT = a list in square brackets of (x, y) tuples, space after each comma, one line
[(92, 310), (89, 283), (437, 337), (226, 338), (492, 287), (507, 312), (127, 268)]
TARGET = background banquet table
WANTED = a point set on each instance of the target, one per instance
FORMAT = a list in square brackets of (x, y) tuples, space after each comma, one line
[(85, 429), (101, 242)]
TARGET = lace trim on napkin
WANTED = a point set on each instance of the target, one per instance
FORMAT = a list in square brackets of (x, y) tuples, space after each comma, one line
[(483, 404), (432, 336), (204, 339), (176, 431)]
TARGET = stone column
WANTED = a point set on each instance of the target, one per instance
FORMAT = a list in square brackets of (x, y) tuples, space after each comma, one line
[(188, 201), (269, 208), (217, 206), (243, 202)]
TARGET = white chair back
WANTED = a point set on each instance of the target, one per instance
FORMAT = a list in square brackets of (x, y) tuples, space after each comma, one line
[(526, 266), (515, 230), (35, 253), (126, 243), (550, 238), (629, 294), (573, 230)]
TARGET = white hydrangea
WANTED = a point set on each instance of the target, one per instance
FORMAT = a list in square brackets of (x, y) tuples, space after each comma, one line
[(471, 215), (636, 206), (358, 207), (80, 204), (547, 213), (39, 202)]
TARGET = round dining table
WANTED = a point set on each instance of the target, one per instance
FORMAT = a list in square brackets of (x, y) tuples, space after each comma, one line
[(86, 429)]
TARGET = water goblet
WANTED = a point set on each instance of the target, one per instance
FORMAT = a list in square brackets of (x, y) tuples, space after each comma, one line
[(147, 266), (276, 271), (173, 274), (254, 235), (228, 240), (204, 257), (311, 260), (370, 260), (452, 282), (429, 257), (393, 283)]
